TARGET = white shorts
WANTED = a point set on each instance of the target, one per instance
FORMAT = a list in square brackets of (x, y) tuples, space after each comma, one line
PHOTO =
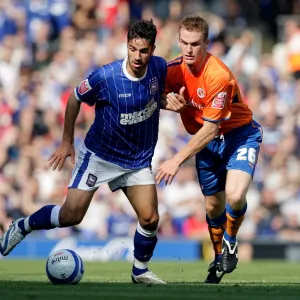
[(91, 171)]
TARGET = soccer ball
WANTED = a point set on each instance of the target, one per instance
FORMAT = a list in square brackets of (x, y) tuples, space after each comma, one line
[(64, 267)]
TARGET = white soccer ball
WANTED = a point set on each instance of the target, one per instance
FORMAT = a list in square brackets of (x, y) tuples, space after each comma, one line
[(64, 267)]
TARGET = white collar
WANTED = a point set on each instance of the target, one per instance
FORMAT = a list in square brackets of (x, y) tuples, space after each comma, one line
[(128, 75)]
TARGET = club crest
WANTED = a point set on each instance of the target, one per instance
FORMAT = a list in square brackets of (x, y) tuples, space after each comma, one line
[(200, 93), (153, 85), (91, 180)]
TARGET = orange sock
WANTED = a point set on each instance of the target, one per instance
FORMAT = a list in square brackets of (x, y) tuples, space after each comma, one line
[(234, 221), (216, 236), (233, 224)]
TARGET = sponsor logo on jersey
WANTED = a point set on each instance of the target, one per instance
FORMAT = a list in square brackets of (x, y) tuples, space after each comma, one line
[(153, 85), (219, 100), (192, 103), (84, 87), (139, 116), (200, 93), (124, 95)]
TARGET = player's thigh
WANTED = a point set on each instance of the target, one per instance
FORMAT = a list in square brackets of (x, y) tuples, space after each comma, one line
[(211, 169), (88, 174), (215, 204), (90, 171), (243, 154), (143, 199), (139, 187), (237, 185)]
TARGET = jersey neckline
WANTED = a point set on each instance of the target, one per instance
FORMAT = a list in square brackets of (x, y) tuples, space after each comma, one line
[(208, 55), (126, 73)]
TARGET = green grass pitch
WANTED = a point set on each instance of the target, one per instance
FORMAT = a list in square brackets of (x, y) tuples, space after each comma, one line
[(255, 280)]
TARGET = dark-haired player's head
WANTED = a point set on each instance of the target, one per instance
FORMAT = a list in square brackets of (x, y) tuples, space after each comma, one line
[(193, 38), (141, 44)]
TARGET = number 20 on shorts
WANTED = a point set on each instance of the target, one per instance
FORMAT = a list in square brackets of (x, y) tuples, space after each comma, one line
[(247, 153)]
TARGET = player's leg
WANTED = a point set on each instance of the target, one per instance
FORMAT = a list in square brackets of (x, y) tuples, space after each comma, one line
[(48, 217), (237, 186), (80, 194), (143, 199), (243, 147), (212, 176), (69, 214), (140, 190), (216, 221)]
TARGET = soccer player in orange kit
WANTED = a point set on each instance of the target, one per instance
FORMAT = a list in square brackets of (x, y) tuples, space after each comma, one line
[(226, 140)]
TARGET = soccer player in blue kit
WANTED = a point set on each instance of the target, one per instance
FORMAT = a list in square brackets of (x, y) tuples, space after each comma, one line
[(118, 147)]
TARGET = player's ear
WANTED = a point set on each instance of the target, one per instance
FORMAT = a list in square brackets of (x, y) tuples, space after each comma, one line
[(178, 43), (207, 43), (153, 48)]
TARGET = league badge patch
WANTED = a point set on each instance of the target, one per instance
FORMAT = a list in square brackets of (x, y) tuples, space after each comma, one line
[(219, 100), (84, 87)]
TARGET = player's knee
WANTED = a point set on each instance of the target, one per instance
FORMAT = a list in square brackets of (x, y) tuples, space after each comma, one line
[(214, 209), (69, 217), (236, 198), (149, 223)]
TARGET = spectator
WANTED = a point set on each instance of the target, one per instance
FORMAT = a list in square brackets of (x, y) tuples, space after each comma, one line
[(48, 46)]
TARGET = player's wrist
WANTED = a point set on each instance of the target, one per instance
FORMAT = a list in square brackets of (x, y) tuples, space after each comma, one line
[(68, 142), (178, 159)]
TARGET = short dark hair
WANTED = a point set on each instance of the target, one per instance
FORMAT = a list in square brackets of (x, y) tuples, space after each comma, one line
[(142, 29), (195, 23)]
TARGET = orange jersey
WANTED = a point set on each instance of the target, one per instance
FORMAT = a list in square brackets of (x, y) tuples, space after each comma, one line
[(213, 95)]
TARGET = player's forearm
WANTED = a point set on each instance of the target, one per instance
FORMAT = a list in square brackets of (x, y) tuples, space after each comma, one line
[(197, 142), (72, 110)]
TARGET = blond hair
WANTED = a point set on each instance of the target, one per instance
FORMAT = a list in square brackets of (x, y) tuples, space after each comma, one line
[(195, 23)]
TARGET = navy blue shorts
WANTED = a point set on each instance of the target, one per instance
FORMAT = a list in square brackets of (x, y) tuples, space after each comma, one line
[(236, 150)]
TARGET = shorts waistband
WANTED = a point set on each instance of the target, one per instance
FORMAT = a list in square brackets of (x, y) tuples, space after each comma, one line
[(222, 136)]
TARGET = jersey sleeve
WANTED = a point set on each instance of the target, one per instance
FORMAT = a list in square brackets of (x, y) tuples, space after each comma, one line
[(217, 105), (168, 83), (174, 79), (162, 73), (174, 75), (89, 90)]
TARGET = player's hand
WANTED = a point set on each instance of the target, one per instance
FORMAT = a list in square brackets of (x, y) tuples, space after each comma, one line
[(167, 171), (57, 159), (176, 102)]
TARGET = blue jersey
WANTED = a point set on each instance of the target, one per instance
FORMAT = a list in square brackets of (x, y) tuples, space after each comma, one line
[(125, 128)]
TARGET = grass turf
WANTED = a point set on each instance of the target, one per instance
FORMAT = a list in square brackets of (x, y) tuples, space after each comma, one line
[(255, 280)]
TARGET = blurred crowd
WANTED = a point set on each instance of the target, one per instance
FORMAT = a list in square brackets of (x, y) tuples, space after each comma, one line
[(48, 46)]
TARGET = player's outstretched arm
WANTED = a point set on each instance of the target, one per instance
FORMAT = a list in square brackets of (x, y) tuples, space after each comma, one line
[(170, 168), (173, 101), (206, 134), (66, 148)]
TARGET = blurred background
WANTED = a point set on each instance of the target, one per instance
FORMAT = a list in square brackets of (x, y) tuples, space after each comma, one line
[(48, 46)]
